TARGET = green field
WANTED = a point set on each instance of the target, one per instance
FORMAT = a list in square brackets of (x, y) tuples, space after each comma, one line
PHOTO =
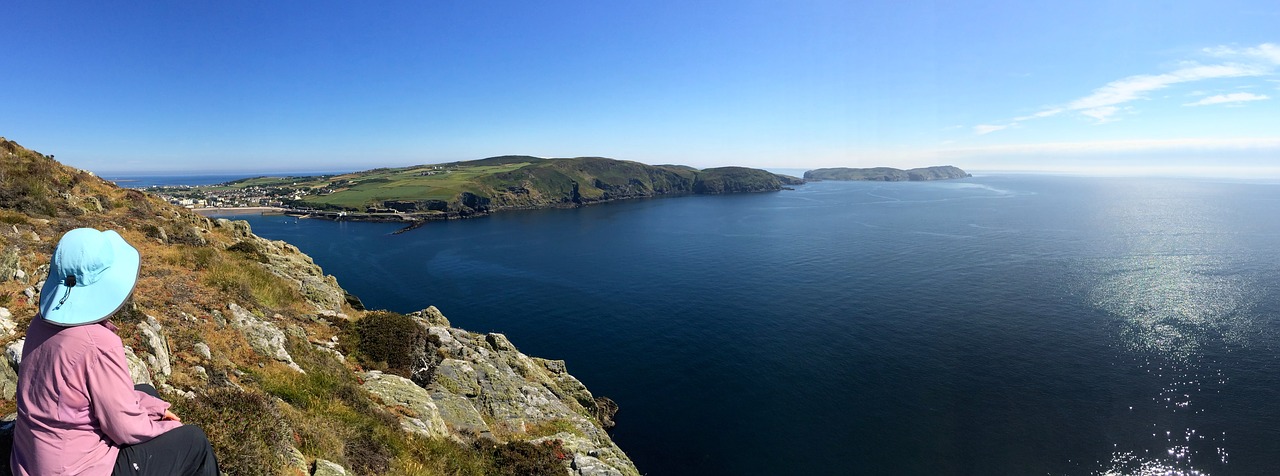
[(371, 188)]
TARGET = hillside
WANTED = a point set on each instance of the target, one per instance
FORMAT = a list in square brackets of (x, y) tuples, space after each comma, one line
[(887, 174), (480, 187), (285, 371)]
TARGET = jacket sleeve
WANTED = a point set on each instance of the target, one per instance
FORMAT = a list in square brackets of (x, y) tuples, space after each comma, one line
[(126, 416)]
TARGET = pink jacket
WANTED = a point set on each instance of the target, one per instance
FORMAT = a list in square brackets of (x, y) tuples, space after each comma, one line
[(76, 402)]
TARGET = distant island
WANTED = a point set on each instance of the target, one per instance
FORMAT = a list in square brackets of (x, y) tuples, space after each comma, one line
[(473, 188), (887, 174)]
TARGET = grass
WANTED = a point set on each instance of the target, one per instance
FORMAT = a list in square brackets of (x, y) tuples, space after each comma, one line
[(406, 184), (252, 282), (552, 427)]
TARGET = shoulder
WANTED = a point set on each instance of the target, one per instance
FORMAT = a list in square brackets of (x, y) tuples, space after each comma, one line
[(99, 336)]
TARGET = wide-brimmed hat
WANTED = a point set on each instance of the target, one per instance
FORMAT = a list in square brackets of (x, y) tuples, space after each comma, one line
[(90, 276)]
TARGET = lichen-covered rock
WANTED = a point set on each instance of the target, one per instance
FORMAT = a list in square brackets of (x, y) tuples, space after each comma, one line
[(482, 379), (397, 390), (590, 466), (9, 368), (297, 461), (264, 337), (138, 370), (7, 326), (328, 468), (10, 264), (431, 316), (202, 349), (154, 339)]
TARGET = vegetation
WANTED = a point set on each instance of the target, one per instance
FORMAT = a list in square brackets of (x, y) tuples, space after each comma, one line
[(506, 182), (887, 174), (735, 180), (247, 431), (387, 340)]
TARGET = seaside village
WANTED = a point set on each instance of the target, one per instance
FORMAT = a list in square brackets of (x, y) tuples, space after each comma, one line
[(208, 197)]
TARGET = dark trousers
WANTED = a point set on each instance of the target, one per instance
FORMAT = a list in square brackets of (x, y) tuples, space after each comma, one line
[(181, 451)]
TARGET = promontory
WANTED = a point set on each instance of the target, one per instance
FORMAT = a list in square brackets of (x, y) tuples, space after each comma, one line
[(480, 187), (887, 174)]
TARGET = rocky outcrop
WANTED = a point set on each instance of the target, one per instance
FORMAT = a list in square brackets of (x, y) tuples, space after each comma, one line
[(887, 174), (286, 261), (263, 336), (482, 387)]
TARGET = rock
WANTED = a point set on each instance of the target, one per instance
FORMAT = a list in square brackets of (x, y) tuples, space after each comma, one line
[(328, 468), (590, 466), (13, 352), (431, 316), (499, 342), (153, 337), (187, 394), (322, 291), (30, 292), (605, 409), (7, 326), (137, 368), (296, 460), (157, 232), (461, 417), (200, 372), (397, 390), (10, 264), (202, 349), (9, 369), (264, 337)]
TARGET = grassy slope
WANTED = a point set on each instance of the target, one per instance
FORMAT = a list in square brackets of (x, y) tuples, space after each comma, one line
[(184, 283), (530, 182)]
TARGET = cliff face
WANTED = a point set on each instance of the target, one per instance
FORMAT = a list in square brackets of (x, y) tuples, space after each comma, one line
[(253, 342), (887, 174)]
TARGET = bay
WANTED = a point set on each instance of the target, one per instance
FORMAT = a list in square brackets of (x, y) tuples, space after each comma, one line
[(1002, 324)]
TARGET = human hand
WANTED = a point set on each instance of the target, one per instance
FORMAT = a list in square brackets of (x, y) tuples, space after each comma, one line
[(168, 415)]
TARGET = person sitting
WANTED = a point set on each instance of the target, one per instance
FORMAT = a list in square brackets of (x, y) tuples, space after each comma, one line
[(79, 412)]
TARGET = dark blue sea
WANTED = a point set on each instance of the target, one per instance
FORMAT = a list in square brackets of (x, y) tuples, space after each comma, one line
[(997, 325)]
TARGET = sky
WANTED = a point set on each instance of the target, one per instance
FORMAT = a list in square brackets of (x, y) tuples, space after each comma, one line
[(1103, 87)]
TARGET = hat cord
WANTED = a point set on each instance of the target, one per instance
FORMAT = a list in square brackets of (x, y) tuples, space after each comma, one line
[(71, 283)]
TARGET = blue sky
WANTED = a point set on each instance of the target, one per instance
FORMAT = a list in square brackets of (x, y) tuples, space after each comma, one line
[(1091, 86)]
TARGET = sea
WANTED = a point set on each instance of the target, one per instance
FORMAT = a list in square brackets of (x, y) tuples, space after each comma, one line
[(995, 325)]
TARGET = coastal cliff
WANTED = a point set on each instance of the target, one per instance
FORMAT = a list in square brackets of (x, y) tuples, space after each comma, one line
[(476, 188), (285, 370), (888, 174)]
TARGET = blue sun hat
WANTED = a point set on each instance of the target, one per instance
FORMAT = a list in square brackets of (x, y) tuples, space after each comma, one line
[(90, 276)]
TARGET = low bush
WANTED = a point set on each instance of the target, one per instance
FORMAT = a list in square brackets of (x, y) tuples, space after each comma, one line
[(387, 340), (247, 431)]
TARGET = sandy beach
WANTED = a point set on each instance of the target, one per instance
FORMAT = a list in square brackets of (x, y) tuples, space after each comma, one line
[(238, 210)]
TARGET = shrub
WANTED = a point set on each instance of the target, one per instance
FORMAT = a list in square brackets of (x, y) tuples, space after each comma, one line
[(250, 250), (389, 339), (525, 459), (247, 431)]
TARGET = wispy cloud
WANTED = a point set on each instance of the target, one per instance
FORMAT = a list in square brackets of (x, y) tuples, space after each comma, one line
[(1228, 98), (1119, 146), (984, 129), (1103, 104), (1266, 52)]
